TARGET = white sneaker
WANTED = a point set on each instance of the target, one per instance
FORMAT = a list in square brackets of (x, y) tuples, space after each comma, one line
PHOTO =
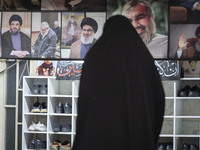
[(40, 127), (32, 126)]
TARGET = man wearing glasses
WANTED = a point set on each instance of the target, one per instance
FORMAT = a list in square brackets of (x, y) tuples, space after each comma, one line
[(140, 13), (80, 48)]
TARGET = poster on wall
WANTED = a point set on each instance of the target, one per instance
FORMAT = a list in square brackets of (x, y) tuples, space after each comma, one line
[(191, 68), (184, 29), (80, 31), (15, 35), (50, 35), (46, 33), (146, 18), (174, 37)]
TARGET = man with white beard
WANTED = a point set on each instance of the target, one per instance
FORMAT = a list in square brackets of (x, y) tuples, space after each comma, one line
[(140, 13), (45, 44), (80, 48)]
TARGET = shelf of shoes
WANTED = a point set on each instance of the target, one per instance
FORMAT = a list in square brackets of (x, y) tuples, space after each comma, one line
[(182, 115), (49, 111)]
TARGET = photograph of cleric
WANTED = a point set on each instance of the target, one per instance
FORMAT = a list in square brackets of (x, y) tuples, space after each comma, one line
[(80, 48), (184, 41), (15, 38), (141, 15)]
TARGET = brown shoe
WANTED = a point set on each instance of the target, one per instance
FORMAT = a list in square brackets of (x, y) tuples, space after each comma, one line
[(65, 146), (55, 145)]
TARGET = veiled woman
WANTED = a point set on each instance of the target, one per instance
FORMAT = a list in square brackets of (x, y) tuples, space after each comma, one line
[(121, 98)]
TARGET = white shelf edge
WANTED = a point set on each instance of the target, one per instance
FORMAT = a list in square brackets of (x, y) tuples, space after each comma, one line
[(35, 95), (170, 117), (187, 135), (171, 135), (65, 133), (42, 77), (38, 114), (60, 114), (57, 95), (191, 117), (169, 97), (38, 132), (166, 135), (189, 98), (185, 79)]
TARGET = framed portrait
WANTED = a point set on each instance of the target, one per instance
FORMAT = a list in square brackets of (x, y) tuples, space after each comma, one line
[(15, 35), (45, 41), (183, 34), (71, 27), (152, 28), (79, 33), (46, 68), (191, 69), (43, 67)]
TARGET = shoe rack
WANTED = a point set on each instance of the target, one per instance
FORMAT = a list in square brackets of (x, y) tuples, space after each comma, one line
[(181, 120), (57, 91), (182, 115)]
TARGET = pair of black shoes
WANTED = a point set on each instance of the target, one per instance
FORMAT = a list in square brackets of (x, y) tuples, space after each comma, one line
[(190, 92), (39, 89), (190, 147), (39, 107), (66, 108), (165, 146), (37, 144)]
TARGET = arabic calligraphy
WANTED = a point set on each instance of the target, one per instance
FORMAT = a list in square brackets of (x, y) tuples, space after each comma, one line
[(69, 70), (168, 68)]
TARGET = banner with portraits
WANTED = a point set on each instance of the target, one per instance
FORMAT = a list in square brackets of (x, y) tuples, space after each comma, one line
[(49, 35), (67, 29)]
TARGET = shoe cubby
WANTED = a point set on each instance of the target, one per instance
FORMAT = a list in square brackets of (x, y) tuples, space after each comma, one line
[(186, 142), (188, 107), (57, 91), (75, 106), (28, 85), (165, 143), (58, 138), (188, 126), (75, 88), (29, 137), (60, 121), (60, 87), (30, 119), (167, 128), (29, 101), (169, 104), (168, 88), (54, 103)]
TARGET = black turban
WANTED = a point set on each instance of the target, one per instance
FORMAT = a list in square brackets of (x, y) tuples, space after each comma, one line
[(91, 22), (15, 18)]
